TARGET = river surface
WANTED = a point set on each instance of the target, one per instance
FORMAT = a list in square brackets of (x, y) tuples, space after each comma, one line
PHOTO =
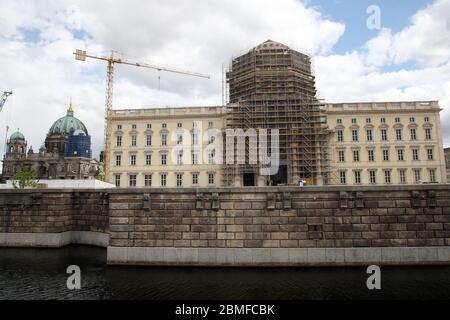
[(41, 274)]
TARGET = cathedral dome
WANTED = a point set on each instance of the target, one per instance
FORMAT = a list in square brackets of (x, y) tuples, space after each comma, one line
[(68, 125), (17, 136)]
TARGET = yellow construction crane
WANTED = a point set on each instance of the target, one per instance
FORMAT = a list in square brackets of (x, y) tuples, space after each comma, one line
[(111, 61)]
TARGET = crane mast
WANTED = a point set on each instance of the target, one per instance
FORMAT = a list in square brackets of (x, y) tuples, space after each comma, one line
[(111, 61), (3, 98)]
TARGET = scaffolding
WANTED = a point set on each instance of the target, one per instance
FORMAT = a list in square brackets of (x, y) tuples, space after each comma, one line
[(272, 87)]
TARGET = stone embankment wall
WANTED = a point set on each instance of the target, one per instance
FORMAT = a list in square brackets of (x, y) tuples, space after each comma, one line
[(248, 226)]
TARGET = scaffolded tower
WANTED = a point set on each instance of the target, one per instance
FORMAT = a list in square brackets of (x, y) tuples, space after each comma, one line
[(272, 87)]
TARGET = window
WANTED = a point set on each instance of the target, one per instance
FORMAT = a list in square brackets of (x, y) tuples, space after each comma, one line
[(371, 155), (118, 160), (401, 155), (133, 160), (369, 135), (134, 126), (194, 158), (383, 120), (355, 135), (357, 177), (412, 120), (164, 159), (384, 134), (387, 177), (148, 159), (164, 139), (343, 176), (211, 178), (415, 153), (428, 133), (164, 125), (417, 176), (179, 180), (427, 119), (149, 125), (402, 175), (163, 180), (430, 154), (340, 135), (179, 125), (119, 127), (119, 141), (133, 181), (353, 121), (211, 158), (180, 159), (413, 134), (341, 156), (356, 155), (149, 140), (398, 134), (385, 155), (368, 121), (432, 174), (373, 176), (179, 139), (117, 181), (210, 125), (195, 139), (148, 180), (133, 141), (339, 121), (397, 120), (195, 179)]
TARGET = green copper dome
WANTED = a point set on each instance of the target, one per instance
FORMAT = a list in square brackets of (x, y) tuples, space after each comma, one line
[(17, 136), (68, 125)]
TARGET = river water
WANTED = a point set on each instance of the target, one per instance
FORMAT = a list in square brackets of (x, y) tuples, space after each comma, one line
[(41, 274)]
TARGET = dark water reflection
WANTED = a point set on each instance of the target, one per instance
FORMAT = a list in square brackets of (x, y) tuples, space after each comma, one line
[(40, 274)]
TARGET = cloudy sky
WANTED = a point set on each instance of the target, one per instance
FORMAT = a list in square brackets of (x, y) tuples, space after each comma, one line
[(405, 57)]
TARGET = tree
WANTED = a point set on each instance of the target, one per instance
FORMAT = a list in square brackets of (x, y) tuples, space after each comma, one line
[(25, 178)]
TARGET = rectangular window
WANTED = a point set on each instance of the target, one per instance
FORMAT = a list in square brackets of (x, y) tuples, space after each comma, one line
[(430, 154), (119, 127), (195, 179), (194, 158), (164, 139), (413, 134), (195, 139), (164, 125), (210, 125), (341, 156), (133, 160), (133, 141), (402, 175), (398, 134), (428, 133), (149, 125), (417, 176), (387, 177), (179, 125), (385, 155), (119, 141), (163, 180), (427, 119), (149, 140), (373, 177), (401, 155), (133, 180), (340, 136), (356, 155), (164, 159), (148, 159), (118, 160), (397, 120), (368, 121), (384, 134), (148, 180), (383, 120), (211, 178), (134, 126), (412, 120), (355, 135), (179, 180), (339, 121), (432, 174), (369, 135), (353, 121), (371, 155), (118, 181), (415, 153), (357, 177), (343, 176)]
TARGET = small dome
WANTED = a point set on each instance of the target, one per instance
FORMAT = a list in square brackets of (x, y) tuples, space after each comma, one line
[(68, 125), (17, 136)]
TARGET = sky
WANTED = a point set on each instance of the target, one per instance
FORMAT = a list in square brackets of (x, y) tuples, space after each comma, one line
[(377, 50)]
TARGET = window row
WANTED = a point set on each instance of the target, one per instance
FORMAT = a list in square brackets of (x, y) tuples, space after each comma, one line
[(400, 155), (399, 135), (195, 124), (388, 176), (194, 159), (163, 179), (164, 140), (383, 120)]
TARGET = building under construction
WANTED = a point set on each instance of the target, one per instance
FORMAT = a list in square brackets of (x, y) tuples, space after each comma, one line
[(272, 87)]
